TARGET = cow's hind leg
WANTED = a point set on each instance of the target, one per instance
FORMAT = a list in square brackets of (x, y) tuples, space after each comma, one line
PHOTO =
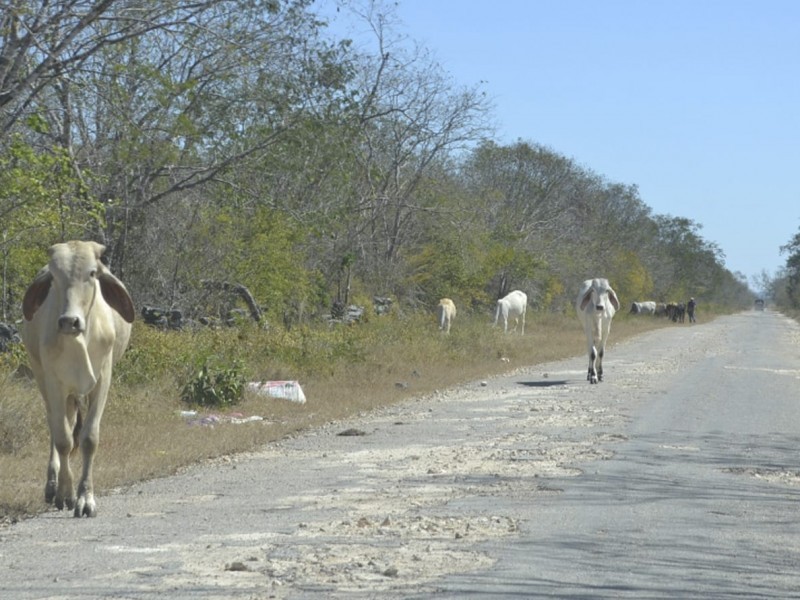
[(53, 466), (60, 488)]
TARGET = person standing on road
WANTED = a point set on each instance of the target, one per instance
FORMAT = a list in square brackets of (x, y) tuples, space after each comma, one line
[(690, 309)]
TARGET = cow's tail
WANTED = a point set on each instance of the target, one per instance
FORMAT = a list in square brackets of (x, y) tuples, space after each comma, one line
[(497, 313), (76, 432)]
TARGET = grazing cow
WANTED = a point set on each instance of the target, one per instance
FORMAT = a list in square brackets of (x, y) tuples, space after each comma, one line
[(661, 309), (513, 306), (446, 312), (643, 308), (77, 325), (680, 315), (676, 312), (596, 304)]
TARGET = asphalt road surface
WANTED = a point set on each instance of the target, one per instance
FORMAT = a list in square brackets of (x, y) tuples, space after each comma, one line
[(677, 477)]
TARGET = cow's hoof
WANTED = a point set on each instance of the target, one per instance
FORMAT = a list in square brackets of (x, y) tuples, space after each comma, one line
[(86, 511), (50, 491), (85, 508), (62, 503)]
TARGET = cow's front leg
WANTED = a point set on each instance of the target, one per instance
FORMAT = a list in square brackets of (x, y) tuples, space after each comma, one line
[(65, 488), (591, 377), (90, 440), (59, 488), (85, 504), (600, 366), (53, 466)]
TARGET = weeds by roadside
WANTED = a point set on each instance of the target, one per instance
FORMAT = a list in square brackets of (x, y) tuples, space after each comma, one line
[(344, 370)]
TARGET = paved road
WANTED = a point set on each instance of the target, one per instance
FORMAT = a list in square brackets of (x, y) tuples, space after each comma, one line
[(678, 477), (702, 499)]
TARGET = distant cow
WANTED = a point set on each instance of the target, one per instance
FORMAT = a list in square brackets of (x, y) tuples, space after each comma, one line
[(513, 306), (676, 312), (77, 325), (596, 305), (445, 313), (643, 308)]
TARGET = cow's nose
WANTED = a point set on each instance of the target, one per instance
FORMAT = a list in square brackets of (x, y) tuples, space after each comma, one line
[(70, 324), (599, 306)]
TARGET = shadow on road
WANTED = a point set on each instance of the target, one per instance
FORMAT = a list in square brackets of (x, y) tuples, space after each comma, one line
[(546, 383)]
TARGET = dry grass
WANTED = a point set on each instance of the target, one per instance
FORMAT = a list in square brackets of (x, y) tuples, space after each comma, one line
[(343, 372)]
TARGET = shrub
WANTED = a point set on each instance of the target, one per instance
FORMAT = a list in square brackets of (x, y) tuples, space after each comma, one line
[(13, 358), (21, 414), (216, 387)]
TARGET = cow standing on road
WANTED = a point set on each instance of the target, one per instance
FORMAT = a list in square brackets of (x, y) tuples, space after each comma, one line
[(596, 304), (77, 325)]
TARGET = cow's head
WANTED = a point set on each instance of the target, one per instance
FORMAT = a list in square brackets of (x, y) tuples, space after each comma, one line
[(601, 296), (74, 275)]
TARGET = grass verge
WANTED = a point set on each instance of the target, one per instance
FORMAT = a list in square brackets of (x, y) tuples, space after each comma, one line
[(343, 371)]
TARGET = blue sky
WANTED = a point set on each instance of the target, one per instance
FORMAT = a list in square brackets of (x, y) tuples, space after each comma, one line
[(695, 102)]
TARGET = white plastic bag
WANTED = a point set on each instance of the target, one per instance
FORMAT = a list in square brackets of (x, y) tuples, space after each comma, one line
[(287, 390)]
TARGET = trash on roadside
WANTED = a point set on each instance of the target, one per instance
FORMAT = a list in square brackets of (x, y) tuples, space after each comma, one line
[(287, 390), (193, 418), (240, 420)]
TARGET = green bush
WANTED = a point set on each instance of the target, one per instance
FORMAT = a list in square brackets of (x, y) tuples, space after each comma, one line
[(215, 387)]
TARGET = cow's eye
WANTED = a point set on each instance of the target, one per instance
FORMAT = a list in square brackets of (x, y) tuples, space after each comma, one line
[(93, 273)]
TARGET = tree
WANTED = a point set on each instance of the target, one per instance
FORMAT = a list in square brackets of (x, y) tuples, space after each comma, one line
[(152, 101), (38, 206), (410, 117), (695, 265), (792, 269), (43, 44)]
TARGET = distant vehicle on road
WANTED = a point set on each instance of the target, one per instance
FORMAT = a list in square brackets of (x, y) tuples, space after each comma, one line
[(759, 304)]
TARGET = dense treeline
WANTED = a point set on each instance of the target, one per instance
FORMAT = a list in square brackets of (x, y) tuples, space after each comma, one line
[(239, 141), (784, 288)]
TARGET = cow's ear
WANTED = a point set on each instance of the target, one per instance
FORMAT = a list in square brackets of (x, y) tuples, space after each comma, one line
[(35, 294), (117, 296), (99, 249), (586, 297), (614, 300)]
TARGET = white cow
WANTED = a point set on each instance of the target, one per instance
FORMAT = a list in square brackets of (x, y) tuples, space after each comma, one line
[(596, 304), (77, 324), (446, 312), (643, 308), (513, 306)]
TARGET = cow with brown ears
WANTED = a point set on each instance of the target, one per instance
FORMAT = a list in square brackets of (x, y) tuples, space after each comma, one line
[(596, 304), (77, 325)]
